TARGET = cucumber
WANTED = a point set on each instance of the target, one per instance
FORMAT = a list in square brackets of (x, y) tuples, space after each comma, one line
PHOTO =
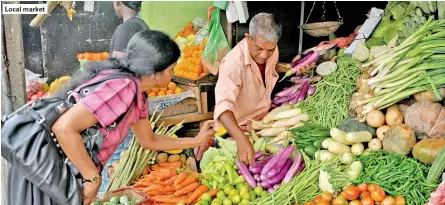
[(318, 144), (310, 150)]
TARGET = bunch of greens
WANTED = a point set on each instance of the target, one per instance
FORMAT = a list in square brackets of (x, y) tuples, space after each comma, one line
[(309, 137), (397, 175), (328, 107)]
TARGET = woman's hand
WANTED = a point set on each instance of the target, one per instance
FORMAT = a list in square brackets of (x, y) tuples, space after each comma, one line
[(207, 131), (90, 191)]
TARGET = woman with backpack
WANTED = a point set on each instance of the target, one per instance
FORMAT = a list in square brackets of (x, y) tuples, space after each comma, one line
[(112, 103)]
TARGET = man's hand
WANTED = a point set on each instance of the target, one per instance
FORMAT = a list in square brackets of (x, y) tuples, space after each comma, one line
[(305, 68), (245, 151), (90, 191)]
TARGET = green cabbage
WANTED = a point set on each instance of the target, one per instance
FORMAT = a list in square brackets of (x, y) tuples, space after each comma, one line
[(208, 157)]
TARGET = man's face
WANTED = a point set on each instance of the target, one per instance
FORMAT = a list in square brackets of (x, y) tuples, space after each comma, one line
[(117, 8), (259, 49)]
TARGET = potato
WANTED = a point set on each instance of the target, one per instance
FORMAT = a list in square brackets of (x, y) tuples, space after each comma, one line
[(161, 157), (430, 96), (375, 118), (174, 158), (183, 159), (393, 107), (393, 117), (381, 131)]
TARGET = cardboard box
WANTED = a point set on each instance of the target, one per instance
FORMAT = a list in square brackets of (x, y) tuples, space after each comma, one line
[(158, 104), (131, 193)]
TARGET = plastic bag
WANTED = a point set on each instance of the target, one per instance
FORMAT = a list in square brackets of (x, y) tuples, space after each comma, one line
[(217, 46)]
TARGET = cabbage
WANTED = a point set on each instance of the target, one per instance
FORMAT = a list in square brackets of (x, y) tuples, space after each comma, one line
[(398, 11), (208, 157)]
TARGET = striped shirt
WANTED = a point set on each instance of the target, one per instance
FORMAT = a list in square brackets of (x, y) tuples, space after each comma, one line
[(110, 100)]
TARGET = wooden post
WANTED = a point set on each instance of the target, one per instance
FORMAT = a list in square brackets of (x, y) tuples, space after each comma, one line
[(14, 49)]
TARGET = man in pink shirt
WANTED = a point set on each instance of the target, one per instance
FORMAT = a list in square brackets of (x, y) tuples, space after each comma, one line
[(247, 76)]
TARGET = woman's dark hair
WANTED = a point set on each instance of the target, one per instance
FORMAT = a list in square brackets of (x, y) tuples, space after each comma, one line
[(134, 5), (148, 52)]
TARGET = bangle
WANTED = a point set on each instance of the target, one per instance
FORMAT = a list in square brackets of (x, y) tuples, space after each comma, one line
[(93, 179)]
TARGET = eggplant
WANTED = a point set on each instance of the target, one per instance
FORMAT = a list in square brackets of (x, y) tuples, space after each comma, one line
[(293, 169), (309, 58), (256, 177), (276, 186), (246, 174), (303, 58), (281, 160), (301, 168), (280, 176), (265, 184), (255, 169), (288, 91), (303, 92), (263, 177), (258, 155)]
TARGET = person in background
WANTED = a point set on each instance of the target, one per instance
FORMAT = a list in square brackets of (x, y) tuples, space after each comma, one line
[(247, 76), (128, 12)]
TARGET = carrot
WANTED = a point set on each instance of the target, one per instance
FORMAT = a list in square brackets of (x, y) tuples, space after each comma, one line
[(189, 188), (165, 175), (190, 179), (212, 192), (143, 184), (171, 180), (155, 166), (153, 187), (193, 173), (170, 164), (169, 199), (181, 177), (197, 193)]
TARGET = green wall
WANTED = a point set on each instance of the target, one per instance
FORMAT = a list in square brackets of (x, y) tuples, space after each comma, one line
[(172, 16)]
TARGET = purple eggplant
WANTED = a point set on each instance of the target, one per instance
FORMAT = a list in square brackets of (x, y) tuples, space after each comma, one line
[(303, 58), (256, 177), (270, 189), (296, 77), (288, 91), (255, 169), (279, 177), (301, 168), (265, 184), (276, 186), (281, 160), (311, 90), (263, 177), (246, 174), (306, 60), (293, 169), (303, 92), (258, 155)]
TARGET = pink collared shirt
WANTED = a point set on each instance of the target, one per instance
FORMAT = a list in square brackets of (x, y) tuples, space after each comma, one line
[(109, 101), (240, 87)]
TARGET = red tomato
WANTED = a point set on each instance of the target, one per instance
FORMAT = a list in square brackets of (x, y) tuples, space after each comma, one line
[(400, 200), (365, 193), (41, 93), (340, 200), (351, 193), (210, 142), (362, 187), (318, 199), (323, 203), (389, 201), (378, 195), (367, 201), (326, 196), (373, 187), (35, 97)]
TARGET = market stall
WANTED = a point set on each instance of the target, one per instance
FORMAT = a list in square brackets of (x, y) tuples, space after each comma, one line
[(366, 126)]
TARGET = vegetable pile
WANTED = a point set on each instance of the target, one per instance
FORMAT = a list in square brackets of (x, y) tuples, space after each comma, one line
[(397, 175), (124, 200), (309, 137), (297, 92), (329, 105)]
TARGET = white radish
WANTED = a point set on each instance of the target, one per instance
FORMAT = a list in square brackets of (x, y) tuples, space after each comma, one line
[(347, 158), (338, 148), (281, 137), (297, 125), (259, 125), (292, 121), (271, 132), (287, 114), (355, 137), (268, 118), (357, 149), (326, 142), (339, 136)]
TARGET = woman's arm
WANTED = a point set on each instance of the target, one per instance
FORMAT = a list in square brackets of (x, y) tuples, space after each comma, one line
[(67, 130), (149, 140)]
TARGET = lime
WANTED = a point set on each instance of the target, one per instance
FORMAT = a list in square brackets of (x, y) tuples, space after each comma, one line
[(221, 195), (218, 200), (318, 144), (206, 197), (310, 150), (258, 190), (264, 193), (204, 202), (227, 201), (227, 188), (115, 200), (233, 192), (214, 202), (252, 195), (236, 199), (243, 202), (245, 195), (243, 191)]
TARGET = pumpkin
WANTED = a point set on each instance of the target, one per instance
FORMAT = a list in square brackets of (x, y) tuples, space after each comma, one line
[(427, 150), (352, 125)]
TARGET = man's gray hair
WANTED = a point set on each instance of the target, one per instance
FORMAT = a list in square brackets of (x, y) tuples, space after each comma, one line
[(266, 26)]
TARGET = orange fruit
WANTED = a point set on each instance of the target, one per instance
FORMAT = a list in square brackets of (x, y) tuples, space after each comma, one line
[(154, 90), (170, 92), (105, 55), (190, 25), (194, 76), (81, 56), (178, 90), (171, 86), (150, 95), (204, 69), (161, 93), (163, 89), (202, 75)]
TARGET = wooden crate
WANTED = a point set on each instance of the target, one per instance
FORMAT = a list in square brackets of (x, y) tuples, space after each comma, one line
[(209, 78)]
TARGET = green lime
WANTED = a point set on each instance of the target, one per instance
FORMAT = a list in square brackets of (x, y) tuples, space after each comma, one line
[(245, 195), (206, 197), (214, 202), (233, 192), (218, 200), (115, 200), (236, 199), (221, 195), (204, 202), (264, 193), (318, 144), (252, 195), (227, 201), (227, 188), (258, 190), (243, 187), (310, 150)]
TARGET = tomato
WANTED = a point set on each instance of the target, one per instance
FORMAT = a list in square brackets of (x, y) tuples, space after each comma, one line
[(389, 201), (373, 187), (400, 200), (365, 193), (323, 203), (362, 187), (340, 200), (351, 193), (366, 201), (319, 199), (326, 196), (210, 142), (378, 195), (354, 202)]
